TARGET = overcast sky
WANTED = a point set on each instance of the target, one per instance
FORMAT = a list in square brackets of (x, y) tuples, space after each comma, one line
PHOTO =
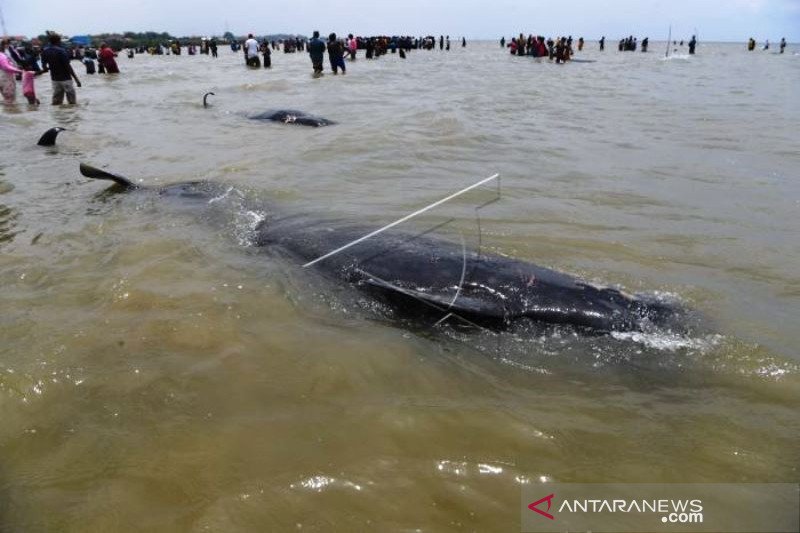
[(726, 20)]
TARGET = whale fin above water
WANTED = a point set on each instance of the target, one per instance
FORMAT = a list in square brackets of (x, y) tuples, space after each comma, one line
[(48, 138), (98, 174)]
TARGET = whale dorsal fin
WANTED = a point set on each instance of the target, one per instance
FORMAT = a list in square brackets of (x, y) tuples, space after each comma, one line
[(48, 138), (95, 173)]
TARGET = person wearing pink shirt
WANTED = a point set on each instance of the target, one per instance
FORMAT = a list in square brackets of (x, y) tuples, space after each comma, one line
[(352, 46), (28, 89), (8, 71)]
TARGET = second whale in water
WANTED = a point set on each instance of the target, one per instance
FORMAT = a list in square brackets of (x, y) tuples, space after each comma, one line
[(290, 116)]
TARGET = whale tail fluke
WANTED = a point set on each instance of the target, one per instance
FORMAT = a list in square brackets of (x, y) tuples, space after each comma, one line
[(98, 174)]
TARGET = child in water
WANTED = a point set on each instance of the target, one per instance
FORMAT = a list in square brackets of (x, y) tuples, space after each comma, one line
[(28, 89)]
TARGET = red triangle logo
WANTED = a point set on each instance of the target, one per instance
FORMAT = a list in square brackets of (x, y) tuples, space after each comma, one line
[(549, 500)]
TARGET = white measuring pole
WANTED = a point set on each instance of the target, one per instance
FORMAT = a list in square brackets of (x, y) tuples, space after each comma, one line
[(401, 220)]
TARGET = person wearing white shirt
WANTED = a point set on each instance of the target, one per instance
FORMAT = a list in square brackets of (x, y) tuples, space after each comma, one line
[(251, 52)]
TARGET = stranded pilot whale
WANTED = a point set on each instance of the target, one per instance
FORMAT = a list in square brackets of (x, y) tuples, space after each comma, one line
[(290, 116), (423, 276)]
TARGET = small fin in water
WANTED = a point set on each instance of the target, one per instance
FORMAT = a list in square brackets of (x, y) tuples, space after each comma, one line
[(48, 138), (95, 173)]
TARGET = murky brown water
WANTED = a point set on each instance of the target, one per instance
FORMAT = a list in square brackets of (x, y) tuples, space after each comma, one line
[(157, 373)]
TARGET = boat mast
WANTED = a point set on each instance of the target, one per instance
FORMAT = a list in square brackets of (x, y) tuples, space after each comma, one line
[(3, 22), (669, 40)]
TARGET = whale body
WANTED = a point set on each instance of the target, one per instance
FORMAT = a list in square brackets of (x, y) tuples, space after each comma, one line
[(290, 116), (421, 276)]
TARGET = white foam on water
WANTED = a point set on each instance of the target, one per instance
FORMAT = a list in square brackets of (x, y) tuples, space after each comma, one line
[(245, 220), (526, 368), (489, 469), (221, 197), (321, 483), (680, 57), (246, 224), (665, 297), (670, 342), (773, 371)]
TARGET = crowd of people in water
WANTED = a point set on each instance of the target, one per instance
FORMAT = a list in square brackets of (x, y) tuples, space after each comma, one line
[(561, 49), (24, 61), (338, 49), (751, 45)]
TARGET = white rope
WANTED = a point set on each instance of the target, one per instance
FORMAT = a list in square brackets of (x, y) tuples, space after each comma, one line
[(401, 220)]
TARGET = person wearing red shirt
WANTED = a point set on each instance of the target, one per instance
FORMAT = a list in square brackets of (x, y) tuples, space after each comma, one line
[(106, 57)]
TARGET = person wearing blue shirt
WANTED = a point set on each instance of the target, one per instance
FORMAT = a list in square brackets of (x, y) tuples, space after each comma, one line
[(316, 49), (56, 61)]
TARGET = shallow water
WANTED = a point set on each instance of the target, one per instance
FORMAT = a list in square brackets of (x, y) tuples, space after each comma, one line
[(157, 372)]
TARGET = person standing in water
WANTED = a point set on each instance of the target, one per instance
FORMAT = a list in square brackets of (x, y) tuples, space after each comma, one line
[(212, 45), (751, 45), (336, 54), (106, 58), (28, 86), (8, 74), (561, 47), (783, 44), (447, 43), (692, 45), (502, 42), (352, 46), (56, 61), (316, 49), (28, 62), (766, 45), (463, 42), (602, 43), (267, 54), (251, 52)]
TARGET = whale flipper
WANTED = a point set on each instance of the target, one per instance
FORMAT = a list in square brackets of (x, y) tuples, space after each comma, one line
[(49, 137), (95, 173), (462, 307)]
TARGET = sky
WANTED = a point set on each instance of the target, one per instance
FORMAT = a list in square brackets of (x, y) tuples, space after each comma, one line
[(714, 20)]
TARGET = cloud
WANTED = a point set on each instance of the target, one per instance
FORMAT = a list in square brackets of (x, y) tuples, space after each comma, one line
[(791, 6), (754, 6), (732, 20)]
